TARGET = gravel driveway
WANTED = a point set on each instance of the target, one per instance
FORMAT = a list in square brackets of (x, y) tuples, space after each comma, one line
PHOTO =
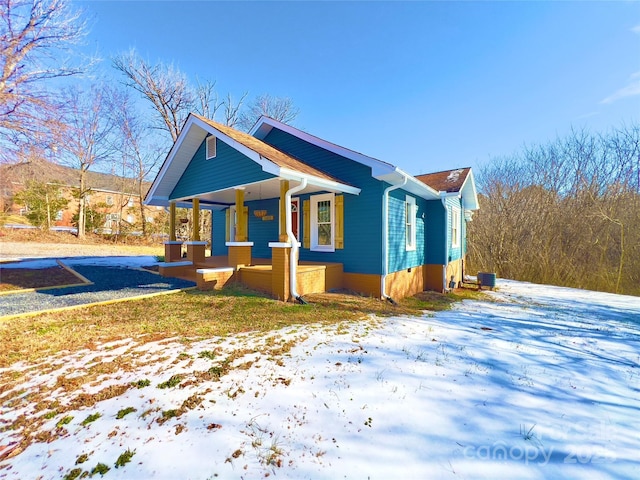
[(114, 272)]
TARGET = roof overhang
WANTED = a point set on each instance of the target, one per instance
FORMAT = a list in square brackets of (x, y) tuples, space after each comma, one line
[(467, 193), (413, 185), (191, 137), (380, 170)]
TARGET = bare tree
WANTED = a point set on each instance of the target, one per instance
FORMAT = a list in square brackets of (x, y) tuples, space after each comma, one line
[(163, 85), (206, 99), (565, 213), (232, 110), (278, 108), (35, 41), (139, 154), (86, 142)]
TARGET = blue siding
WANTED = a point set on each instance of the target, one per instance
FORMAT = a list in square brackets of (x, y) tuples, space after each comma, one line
[(227, 169), (260, 232), (436, 233), (218, 232), (399, 257), (362, 251)]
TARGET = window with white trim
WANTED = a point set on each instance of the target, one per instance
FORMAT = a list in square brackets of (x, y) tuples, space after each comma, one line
[(410, 222), (211, 147), (455, 227), (323, 222)]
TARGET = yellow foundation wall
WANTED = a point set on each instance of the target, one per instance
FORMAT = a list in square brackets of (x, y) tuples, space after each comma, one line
[(433, 277), (454, 269), (259, 280), (365, 284), (311, 280), (405, 283)]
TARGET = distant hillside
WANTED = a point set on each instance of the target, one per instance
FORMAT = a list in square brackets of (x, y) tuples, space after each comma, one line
[(42, 170)]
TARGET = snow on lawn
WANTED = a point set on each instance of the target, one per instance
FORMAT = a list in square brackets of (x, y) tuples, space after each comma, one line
[(542, 383)]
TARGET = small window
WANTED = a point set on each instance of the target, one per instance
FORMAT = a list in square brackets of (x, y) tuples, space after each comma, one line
[(455, 227), (211, 147), (130, 202), (109, 200), (59, 215), (410, 222), (129, 218), (322, 223)]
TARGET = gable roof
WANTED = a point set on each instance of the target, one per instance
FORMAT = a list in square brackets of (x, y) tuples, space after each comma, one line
[(459, 182), (380, 170), (265, 150), (446, 181), (271, 160)]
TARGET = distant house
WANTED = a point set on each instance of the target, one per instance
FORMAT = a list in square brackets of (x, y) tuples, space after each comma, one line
[(295, 214), (111, 195)]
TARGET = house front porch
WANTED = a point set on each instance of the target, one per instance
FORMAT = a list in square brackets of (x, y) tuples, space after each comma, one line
[(262, 275)]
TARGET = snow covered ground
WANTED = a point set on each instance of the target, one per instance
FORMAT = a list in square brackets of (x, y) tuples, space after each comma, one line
[(542, 383)]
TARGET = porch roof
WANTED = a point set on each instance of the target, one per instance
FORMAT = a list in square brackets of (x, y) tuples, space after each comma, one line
[(271, 160)]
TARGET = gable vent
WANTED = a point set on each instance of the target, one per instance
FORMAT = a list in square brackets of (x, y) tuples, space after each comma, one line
[(211, 147)]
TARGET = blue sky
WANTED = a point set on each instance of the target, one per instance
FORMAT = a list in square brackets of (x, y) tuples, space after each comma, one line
[(426, 86)]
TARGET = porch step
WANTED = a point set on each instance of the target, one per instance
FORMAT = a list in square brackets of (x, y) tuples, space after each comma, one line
[(214, 278), (175, 269)]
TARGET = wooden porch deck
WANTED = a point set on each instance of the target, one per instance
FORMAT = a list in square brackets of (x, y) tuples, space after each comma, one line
[(312, 277)]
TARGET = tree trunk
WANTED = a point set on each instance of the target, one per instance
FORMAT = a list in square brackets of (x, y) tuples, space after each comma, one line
[(82, 205)]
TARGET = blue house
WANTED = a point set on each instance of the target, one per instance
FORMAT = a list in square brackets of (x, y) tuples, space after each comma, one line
[(294, 214)]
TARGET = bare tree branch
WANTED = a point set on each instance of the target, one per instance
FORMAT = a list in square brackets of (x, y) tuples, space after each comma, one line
[(35, 41)]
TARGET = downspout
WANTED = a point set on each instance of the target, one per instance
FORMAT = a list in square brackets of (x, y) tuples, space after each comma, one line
[(293, 261), (385, 236), (446, 243)]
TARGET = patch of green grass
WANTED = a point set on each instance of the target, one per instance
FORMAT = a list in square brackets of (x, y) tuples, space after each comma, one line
[(124, 458), (172, 382), (82, 458), (124, 412), (64, 421), (142, 383), (91, 418), (73, 474), (167, 414), (100, 468), (208, 354), (50, 414)]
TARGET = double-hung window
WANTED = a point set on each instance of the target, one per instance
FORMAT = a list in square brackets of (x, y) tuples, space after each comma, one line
[(323, 223), (410, 222), (455, 227)]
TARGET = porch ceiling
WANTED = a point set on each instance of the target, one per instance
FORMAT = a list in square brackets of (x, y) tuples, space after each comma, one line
[(266, 189)]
